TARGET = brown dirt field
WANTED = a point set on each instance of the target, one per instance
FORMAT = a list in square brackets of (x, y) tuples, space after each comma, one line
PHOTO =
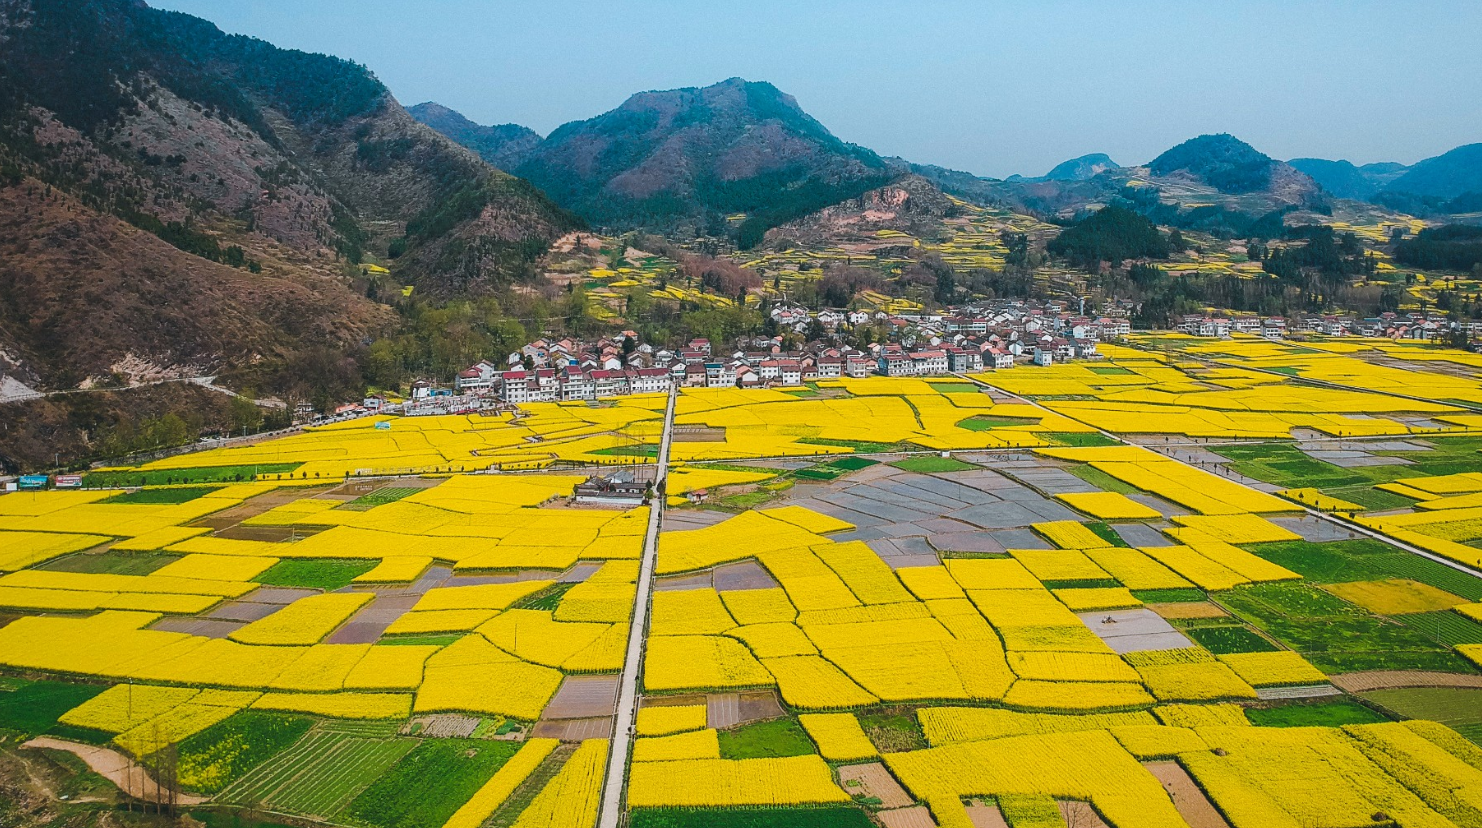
[(874, 780), (574, 730), (916, 816), (986, 816), (1082, 815), (1202, 609), (1188, 798), (1390, 679), (582, 697)]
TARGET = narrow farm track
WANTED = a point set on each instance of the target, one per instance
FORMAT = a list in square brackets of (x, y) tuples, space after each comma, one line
[(115, 767), (1172, 455), (611, 814)]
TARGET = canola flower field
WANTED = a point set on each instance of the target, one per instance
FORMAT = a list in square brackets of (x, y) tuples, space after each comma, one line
[(1122, 580)]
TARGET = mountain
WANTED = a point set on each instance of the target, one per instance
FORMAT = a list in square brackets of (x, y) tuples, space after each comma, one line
[(690, 157), (1445, 176), (180, 200), (1080, 169), (1233, 167), (1345, 180), (505, 146)]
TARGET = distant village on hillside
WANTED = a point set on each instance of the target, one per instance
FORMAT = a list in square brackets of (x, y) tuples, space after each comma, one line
[(965, 339)]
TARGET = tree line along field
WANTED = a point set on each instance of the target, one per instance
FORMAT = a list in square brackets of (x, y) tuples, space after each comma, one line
[(945, 604)]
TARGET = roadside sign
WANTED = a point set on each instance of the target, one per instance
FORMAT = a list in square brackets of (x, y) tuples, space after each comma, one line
[(34, 481), (68, 481)]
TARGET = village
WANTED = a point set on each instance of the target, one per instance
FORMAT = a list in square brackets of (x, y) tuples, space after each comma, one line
[(964, 339)]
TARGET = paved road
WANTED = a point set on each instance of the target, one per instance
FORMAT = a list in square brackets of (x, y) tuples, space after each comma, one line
[(1348, 525), (627, 709)]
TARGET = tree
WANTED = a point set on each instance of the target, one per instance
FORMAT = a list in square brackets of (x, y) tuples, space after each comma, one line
[(1111, 234)]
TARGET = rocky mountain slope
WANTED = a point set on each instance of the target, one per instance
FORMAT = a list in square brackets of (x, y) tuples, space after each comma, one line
[(219, 192), (688, 158), (506, 146), (910, 205)]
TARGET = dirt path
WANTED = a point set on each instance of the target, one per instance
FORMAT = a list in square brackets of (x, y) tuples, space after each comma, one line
[(1192, 804), (115, 767), (1392, 679)]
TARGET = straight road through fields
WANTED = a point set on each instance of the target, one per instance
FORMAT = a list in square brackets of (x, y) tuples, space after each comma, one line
[(627, 703)]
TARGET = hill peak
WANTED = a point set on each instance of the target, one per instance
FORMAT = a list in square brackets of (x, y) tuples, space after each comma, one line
[(1220, 160), (1082, 168), (698, 154)]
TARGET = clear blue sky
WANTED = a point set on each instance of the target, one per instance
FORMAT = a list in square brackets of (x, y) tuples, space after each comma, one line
[(990, 87)]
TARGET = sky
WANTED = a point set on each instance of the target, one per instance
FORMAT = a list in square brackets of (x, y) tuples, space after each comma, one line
[(989, 87)]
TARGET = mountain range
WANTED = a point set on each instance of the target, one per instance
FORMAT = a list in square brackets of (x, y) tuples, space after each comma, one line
[(684, 159), (178, 201)]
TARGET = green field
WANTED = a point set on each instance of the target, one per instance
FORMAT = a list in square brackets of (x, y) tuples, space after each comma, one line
[(1285, 465), (893, 732), (1169, 596), (168, 496), (985, 423), (31, 707), (928, 464), (644, 450), (546, 599), (1107, 533), (420, 640), (165, 477), (111, 563), (1459, 708), (1082, 439), (861, 446), (1230, 638), (832, 470), (1444, 626), (1335, 635), (380, 497), (1313, 714), (430, 783), (1365, 560), (224, 752), (323, 772), (774, 737), (749, 818), (314, 573), (1101, 480)]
